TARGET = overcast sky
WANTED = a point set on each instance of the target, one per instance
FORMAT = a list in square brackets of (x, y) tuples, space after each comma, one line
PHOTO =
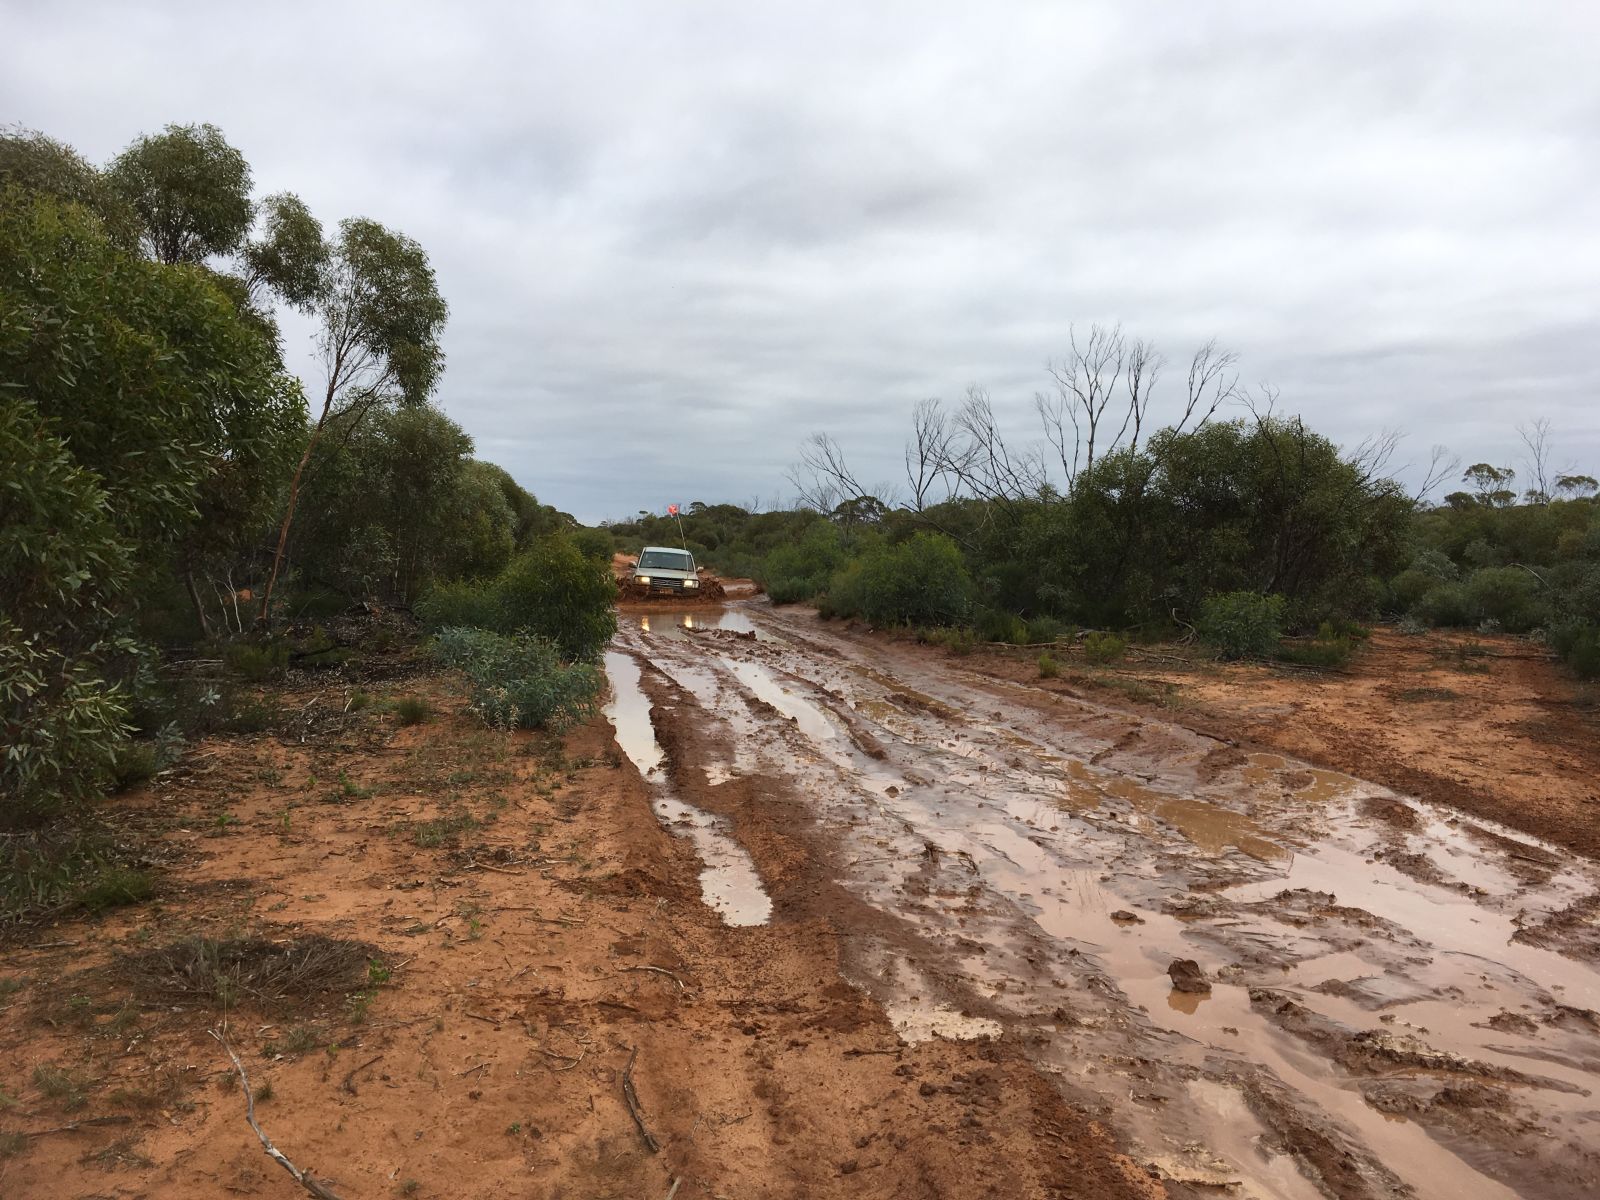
[(678, 237)]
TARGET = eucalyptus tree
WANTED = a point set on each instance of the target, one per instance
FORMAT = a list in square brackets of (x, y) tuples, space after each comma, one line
[(381, 316)]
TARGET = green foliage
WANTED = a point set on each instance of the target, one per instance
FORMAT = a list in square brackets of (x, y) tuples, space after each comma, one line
[(799, 570), (379, 301), (290, 255), (993, 626), (63, 654), (921, 581), (65, 866), (1049, 668), (1507, 595), (551, 591), (1101, 648), (519, 680), (33, 163), (1241, 624), (190, 189), (257, 661)]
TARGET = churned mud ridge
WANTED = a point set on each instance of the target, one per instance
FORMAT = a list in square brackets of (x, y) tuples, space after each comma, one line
[(1006, 862)]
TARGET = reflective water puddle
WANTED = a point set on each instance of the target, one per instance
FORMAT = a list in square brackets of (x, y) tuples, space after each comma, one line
[(729, 881)]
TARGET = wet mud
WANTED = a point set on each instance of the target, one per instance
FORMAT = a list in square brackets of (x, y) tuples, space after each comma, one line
[(1396, 1001)]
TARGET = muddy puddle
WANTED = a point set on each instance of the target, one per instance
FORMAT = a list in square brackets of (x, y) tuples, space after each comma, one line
[(729, 882), (1374, 1021)]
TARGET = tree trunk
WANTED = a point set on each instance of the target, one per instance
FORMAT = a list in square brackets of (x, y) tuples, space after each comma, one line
[(199, 604), (288, 511)]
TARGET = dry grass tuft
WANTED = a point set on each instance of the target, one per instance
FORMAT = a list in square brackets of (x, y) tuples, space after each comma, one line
[(249, 970)]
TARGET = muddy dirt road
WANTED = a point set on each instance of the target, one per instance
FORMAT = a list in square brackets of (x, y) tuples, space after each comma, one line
[(1385, 999)]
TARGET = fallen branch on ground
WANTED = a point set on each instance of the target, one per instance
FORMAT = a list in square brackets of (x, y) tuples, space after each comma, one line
[(633, 1103), (349, 1084), (658, 971), (304, 1178)]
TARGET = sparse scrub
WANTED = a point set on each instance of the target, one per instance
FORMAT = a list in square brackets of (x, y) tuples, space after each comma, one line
[(1049, 668), (257, 662)]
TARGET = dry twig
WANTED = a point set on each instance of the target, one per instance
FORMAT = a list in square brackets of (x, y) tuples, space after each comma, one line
[(349, 1083), (632, 1099), (304, 1178), (658, 971)]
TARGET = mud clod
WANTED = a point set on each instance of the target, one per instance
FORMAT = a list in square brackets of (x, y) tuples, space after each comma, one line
[(1187, 976)]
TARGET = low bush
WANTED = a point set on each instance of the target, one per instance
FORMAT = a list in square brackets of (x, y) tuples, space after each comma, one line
[(256, 661), (1508, 595), (412, 710), (1049, 668), (1447, 604), (1241, 624), (551, 591), (519, 680), (799, 570), (921, 581), (1042, 631), (1004, 627), (1578, 644), (1104, 648), (1331, 647)]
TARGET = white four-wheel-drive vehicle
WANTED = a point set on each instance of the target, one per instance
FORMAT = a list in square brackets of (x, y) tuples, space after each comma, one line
[(663, 569)]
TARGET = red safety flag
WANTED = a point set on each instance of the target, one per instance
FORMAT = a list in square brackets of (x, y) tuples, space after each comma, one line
[(672, 510)]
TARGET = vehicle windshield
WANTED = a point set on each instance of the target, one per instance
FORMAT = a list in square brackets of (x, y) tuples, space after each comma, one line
[(666, 560)]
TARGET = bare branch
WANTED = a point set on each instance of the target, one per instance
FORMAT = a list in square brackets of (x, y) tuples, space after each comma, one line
[(304, 1178), (1442, 465)]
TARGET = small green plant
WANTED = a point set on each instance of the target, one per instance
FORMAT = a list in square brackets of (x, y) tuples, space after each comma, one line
[(358, 701), (430, 835), (1049, 668), (514, 1128), (134, 763), (1102, 648), (377, 972), (412, 710), (1042, 631)]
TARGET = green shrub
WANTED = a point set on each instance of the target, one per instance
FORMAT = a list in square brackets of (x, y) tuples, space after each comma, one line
[(798, 570), (520, 680), (922, 581), (134, 763), (1103, 648), (1409, 587), (256, 661), (63, 567), (1508, 595), (412, 710), (551, 591), (1241, 624), (1049, 668), (1578, 644), (1043, 631), (1447, 604), (993, 626)]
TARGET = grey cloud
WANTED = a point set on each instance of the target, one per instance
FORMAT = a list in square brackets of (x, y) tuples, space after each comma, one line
[(679, 238)]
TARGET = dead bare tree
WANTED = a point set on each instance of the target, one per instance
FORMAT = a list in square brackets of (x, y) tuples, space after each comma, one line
[(1535, 436), (823, 477), (1104, 388), (1442, 465)]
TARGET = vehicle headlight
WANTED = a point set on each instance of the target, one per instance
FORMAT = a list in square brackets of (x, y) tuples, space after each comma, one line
[(645, 579), (691, 583)]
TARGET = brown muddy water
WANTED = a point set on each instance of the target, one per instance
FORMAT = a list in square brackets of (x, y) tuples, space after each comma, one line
[(1391, 1010)]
